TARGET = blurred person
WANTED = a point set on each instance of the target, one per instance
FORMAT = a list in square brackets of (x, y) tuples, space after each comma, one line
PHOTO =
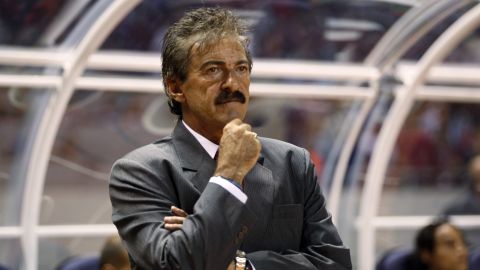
[(114, 256), (470, 204), (417, 159), (212, 188), (439, 246)]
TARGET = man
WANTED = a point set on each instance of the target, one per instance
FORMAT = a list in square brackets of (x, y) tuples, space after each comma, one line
[(181, 204)]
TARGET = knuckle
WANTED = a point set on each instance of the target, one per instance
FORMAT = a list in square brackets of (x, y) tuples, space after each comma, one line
[(237, 131), (237, 121)]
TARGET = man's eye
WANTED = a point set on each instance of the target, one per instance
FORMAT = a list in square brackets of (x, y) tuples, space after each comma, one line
[(213, 70), (242, 68)]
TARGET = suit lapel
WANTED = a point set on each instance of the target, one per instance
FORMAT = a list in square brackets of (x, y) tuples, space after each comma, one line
[(194, 159), (201, 178), (259, 187), (198, 167)]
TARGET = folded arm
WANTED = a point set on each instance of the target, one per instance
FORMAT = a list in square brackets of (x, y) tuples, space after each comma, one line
[(139, 209)]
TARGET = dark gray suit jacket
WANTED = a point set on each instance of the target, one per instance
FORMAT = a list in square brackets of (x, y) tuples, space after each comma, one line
[(283, 224)]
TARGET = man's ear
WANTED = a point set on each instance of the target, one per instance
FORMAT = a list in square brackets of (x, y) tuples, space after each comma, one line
[(174, 90)]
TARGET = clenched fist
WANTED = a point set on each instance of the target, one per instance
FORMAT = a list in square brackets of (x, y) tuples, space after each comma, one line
[(238, 151)]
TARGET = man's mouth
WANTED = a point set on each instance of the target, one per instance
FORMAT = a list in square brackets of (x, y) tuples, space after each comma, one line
[(226, 97)]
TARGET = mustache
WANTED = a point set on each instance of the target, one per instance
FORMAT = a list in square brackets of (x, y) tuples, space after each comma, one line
[(226, 96)]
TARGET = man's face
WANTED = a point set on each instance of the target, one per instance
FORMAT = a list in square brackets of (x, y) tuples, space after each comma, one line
[(216, 90), (450, 251)]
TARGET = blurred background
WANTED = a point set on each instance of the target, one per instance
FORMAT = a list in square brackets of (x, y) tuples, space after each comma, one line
[(384, 94)]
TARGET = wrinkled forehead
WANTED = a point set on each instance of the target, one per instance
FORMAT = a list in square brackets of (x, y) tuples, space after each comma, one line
[(204, 44)]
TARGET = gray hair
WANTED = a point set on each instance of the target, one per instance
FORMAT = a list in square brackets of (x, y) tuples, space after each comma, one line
[(203, 26)]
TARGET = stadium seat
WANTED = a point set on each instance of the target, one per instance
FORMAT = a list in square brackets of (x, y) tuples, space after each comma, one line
[(474, 259), (394, 259), (81, 263)]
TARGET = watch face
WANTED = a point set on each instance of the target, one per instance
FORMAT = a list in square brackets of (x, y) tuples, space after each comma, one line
[(240, 260)]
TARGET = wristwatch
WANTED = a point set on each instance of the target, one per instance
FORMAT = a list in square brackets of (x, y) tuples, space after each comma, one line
[(241, 261)]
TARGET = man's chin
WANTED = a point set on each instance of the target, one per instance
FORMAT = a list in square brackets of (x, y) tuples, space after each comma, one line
[(234, 115), (228, 114), (222, 121)]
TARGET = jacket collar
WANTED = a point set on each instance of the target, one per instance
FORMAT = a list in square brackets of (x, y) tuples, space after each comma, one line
[(190, 151)]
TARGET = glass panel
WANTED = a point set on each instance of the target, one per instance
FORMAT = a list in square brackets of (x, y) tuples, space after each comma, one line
[(467, 51), (97, 129), (11, 256), (320, 126), (314, 30), (354, 180), (429, 169), (388, 240), (56, 252), (20, 111), (436, 166), (38, 23), (428, 39)]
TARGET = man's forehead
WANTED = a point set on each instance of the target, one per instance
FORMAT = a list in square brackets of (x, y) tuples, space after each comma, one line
[(220, 47)]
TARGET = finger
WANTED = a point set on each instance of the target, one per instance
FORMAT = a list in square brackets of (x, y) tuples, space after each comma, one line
[(253, 134), (259, 145), (231, 266), (246, 127), (235, 122), (174, 220), (178, 212), (173, 227)]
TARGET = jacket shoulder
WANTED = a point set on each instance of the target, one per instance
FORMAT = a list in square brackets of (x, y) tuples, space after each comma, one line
[(273, 145), (160, 149)]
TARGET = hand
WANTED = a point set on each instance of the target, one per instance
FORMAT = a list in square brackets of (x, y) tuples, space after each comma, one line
[(173, 223), (231, 266), (238, 151)]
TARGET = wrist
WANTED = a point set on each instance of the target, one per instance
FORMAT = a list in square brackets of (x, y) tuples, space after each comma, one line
[(235, 183), (231, 175)]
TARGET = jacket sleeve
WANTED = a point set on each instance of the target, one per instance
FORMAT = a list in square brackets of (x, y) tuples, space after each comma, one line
[(141, 197), (321, 246)]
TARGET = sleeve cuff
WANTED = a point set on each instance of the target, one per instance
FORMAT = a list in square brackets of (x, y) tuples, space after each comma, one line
[(230, 187)]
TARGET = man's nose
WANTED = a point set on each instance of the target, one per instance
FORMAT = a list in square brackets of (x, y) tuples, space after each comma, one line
[(230, 82)]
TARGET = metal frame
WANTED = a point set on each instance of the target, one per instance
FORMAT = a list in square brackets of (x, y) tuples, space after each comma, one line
[(90, 230), (73, 67), (445, 74), (391, 128), (401, 36), (410, 28)]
